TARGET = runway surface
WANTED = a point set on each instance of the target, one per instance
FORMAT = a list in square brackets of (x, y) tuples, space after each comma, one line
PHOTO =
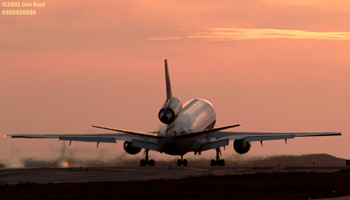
[(118, 174), (175, 183)]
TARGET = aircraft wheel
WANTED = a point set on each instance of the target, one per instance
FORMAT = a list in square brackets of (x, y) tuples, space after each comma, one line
[(212, 162), (221, 163), (184, 163), (143, 163), (152, 163), (179, 162)]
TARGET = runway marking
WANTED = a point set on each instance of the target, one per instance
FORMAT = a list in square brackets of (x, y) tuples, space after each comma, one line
[(199, 169), (279, 168)]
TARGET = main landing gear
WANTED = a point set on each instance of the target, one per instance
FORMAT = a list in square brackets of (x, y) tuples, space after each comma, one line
[(217, 162), (146, 161), (182, 162)]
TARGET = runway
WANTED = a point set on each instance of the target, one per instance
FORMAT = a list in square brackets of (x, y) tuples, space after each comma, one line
[(115, 174), (175, 183), (128, 174)]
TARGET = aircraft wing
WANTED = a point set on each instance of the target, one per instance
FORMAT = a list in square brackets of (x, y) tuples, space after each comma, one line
[(261, 136), (139, 140), (221, 138)]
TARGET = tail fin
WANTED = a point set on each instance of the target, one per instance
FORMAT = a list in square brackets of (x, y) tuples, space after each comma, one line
[(167, 81)]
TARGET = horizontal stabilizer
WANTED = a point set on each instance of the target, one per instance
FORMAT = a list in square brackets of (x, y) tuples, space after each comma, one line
[(206, 131), (128, 131)]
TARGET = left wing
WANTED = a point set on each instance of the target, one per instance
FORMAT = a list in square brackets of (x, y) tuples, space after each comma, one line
[(136, 139)]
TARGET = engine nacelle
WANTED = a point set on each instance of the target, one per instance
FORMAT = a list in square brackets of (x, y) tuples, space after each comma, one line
[(241, 147), (168, 113), (131, 150)]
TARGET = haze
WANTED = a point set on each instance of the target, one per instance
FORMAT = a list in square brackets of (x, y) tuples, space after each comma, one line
[(269, 65)]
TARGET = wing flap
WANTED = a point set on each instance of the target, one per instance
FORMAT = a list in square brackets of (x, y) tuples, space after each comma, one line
[(263, 138), (89, 139), (214, 145), (317, 134), (32, 136), (146, 145)]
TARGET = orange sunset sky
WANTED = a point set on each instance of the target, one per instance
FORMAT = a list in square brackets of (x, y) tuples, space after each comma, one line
[(269, 65)]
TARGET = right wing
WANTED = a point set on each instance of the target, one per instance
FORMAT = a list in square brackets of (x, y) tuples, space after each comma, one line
[(221, 138), (261, 136)]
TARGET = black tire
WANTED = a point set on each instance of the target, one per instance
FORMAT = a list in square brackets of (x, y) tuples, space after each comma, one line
[(221, 163), (143, 163), (152, 163), (212, 162), (184, 163), (179, 163)]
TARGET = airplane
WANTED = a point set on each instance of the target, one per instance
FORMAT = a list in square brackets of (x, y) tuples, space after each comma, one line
[(185, 128)]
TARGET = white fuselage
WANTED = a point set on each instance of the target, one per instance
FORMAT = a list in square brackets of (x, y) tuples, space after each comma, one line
[(196, 115)]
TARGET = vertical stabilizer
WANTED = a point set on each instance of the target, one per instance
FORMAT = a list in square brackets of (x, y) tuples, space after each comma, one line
[(167, 81), (172, 106)]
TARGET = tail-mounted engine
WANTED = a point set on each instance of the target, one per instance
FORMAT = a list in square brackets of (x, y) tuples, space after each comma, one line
[(170, 110), (130, 149), (241, 147)]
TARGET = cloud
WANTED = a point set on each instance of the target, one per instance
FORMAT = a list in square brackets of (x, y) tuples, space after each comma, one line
[(228, 34), (163, 38)]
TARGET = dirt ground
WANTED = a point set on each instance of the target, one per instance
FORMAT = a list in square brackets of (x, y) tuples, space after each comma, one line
[(292, 185)]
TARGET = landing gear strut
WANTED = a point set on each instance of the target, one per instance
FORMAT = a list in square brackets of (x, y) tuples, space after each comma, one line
[(182, 162), (146, 161), (217, 162)]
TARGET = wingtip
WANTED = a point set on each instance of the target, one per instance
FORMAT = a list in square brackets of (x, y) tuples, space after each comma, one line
[(236, 125)]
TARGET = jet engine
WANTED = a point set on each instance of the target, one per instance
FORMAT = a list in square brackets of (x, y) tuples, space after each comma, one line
[(170, 110), (241, 147), (131, 150)]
